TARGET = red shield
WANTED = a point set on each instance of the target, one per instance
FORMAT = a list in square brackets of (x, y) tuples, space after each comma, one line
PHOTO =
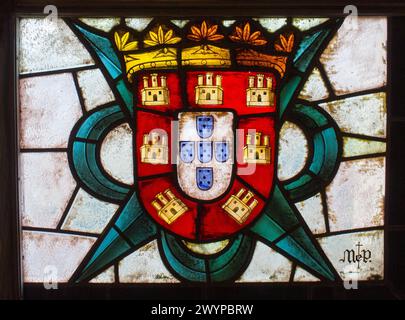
[(205, 149)]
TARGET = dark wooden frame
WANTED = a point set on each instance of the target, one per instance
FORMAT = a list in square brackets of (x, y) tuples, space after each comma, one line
[(393, 287), (10, 279)]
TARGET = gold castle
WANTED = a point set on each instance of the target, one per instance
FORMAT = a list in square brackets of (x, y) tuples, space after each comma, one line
[(169, 207), (256, 152), (260, 95), (155, 95), (209, 93), (238, 207), (154, 149)]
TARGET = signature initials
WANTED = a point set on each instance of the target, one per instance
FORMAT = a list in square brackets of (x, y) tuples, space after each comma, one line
[(356, 256)]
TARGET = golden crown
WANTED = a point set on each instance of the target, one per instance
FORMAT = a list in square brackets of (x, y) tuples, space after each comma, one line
[(162, 48)]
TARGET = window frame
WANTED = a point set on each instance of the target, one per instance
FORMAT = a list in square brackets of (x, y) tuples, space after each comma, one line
[(11, 285)]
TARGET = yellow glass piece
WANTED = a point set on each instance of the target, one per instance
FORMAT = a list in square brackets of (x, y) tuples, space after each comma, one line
[(123, 44), (154, 149), (260, 94), (206, 56), (209, 92), (168, 206), (155, 94), (240, 208), (257, 150), (353, 147), (161, 37), (206, 248), (164, 58)]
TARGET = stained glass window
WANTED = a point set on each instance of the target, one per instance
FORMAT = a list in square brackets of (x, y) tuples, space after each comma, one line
[(202, 150)]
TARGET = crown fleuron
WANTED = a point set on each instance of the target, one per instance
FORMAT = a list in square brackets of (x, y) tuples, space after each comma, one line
[(204, 46), (163, 57), (206, 52)]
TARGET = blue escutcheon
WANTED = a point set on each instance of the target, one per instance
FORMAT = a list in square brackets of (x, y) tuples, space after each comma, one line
[(204, 151), (204, 178), (221, 151), (205, 126), (187, 151)]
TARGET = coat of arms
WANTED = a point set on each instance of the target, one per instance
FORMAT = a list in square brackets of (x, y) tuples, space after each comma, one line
[(205, 103)]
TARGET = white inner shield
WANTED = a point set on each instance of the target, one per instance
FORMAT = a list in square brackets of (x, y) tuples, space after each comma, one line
[(222, 171)]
